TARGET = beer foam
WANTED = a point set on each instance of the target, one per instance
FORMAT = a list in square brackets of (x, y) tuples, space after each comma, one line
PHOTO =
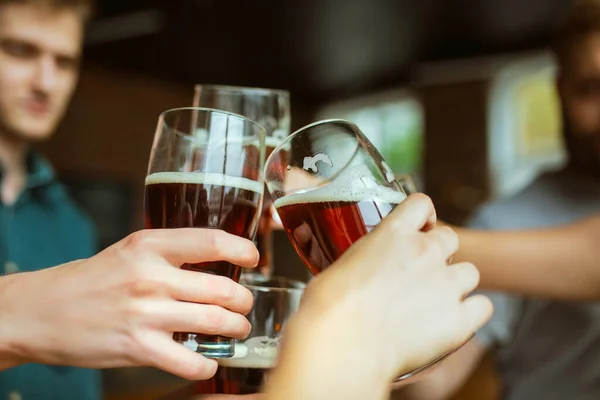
[(271, 141), (350, 195), (247, 358), (201, 178)]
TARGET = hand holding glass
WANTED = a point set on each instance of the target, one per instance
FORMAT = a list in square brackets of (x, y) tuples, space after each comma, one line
[(331, 187)]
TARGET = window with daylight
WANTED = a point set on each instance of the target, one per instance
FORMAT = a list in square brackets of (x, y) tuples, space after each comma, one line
[(393, 122)]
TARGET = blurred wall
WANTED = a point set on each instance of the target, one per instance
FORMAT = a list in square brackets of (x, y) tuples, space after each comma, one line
[(456, 153)]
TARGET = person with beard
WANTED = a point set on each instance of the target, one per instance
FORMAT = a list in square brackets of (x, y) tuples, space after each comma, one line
[(543, 349)]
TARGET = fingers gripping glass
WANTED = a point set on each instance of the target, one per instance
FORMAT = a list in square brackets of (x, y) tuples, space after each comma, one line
[(205, 171), (275, 301)]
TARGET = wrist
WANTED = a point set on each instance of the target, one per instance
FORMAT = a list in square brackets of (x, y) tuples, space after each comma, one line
[(12, 351), (321, 346)]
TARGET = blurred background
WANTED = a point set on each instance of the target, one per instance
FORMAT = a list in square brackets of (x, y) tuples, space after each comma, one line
[(459, 93)]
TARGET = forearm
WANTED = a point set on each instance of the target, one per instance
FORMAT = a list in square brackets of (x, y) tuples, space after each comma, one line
[(563, 262), (9, 349), (320, 363)]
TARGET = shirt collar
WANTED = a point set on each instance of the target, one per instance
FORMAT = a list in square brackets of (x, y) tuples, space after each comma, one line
[(40, 172)]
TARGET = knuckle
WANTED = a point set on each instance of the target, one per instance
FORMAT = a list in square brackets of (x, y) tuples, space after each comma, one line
[(246, 329), (428, 247), (229, 290), (247, 301), (471, 274), (464, 271), (450, 236), (454, 279), (224, 290), (439, 248), (145, 287), (217, 241), (140, 283), (140, 241), (395, 227), (215, 319), (140, 267), (134, 312), (422, 198), (470, 269)]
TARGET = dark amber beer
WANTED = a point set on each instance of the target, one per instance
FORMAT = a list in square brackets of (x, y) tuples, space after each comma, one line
[(198, 200), (322, 224), (203, 200)]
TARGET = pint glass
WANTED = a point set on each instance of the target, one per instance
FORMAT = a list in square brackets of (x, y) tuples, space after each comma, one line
[(270, 108), (205, 171)]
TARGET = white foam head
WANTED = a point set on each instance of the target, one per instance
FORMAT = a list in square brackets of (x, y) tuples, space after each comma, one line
[(200, 178), (349, 194), (271, 141), (354, 184), (250, 358)]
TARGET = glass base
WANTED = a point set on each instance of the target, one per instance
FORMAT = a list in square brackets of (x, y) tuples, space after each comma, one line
[(258, 274), (426, 367), (216, 350), (208, 346)]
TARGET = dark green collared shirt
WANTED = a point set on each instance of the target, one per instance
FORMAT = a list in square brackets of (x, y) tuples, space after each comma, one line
[(44, 228)]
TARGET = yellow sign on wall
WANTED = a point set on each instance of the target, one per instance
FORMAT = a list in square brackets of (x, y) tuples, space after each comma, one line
[(537, 112)]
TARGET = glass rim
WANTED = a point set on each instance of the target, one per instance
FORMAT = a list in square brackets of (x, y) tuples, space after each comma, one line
[(294, 286), (163, 115), (244, 89), (290, 137)]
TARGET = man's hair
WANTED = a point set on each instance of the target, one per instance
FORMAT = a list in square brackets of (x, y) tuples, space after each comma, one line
[(581, 20), (84, 8)]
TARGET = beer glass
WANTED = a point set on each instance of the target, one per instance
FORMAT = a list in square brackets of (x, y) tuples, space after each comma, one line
[(407, 183), (205, 171), (275, 300), (331, 187), (270, 108)]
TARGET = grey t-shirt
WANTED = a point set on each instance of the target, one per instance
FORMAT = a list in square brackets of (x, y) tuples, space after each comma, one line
[(546, 350)]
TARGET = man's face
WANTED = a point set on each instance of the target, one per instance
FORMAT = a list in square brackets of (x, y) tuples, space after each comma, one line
[(579, 87), (39, 55)]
